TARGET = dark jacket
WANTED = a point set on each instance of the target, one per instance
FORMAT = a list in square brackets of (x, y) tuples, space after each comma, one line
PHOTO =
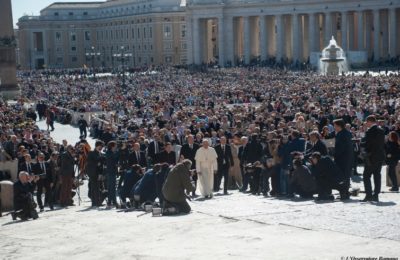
[(165, 157), (375, 145), (190, 154), (252, 152), (318, 147), (328, 170), (67, 165), (132, 159), (112, 160), (344, 151), (39, 171), (392, 152), (178, 180), (146, 187), (225, 159), (151, 150), (303, 179), (94, 164), (22, 192)]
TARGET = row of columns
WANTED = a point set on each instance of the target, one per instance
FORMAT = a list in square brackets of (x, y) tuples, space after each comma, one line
[(295, 35)]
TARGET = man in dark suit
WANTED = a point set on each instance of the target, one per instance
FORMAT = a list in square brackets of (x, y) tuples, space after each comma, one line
[(167, 156), (24, 206), (94, 169), (137, 157), (27, 165), (242, 155), (374, 144), (251, 154), (316, 145), (188, 151), (43, 170), (67, 175), (225, 161), (343, 154), (155, 147)]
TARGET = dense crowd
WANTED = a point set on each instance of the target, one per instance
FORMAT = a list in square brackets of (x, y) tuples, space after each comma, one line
[(264, 131)]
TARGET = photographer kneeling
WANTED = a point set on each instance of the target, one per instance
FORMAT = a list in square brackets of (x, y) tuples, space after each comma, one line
[(178, 180), (328, 176), (24, 205)]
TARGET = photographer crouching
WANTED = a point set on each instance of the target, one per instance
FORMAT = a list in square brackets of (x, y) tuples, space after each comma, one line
[(178, 181), (24, 205)]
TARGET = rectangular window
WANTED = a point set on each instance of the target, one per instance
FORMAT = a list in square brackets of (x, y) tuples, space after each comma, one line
[(167, 31), (167, 46), (151, 32), (73, 48), (58, 36), (87, 36), (183, 46), (59, 60), (74, 59), (183, 30), (73, 37)]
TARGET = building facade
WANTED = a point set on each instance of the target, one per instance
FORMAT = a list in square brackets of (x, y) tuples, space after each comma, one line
[(152, 32), (203, 31), (294, 30)]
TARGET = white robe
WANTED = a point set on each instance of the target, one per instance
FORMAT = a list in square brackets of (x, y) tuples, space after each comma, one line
[(206, 164)]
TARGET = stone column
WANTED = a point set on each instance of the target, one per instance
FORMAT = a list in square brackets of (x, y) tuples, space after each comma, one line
[(344, 30), (351, 31), (328, 28), (311, 34), (230, 56), (392, 32), (295, 37), (263, 38), (360, 28), (377, 33), (221, 41), (189, 35), (246, 40), (196, 41), (8, 81), (279, 37)]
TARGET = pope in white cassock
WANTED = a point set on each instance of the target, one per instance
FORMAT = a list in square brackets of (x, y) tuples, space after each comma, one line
[(206, 166)]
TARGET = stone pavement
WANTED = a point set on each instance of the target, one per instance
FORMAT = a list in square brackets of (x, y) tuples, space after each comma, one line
[(236, 226)]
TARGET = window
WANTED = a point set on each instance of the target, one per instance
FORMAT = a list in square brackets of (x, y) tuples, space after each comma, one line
[(151, 32), (56, 14), (167, 46), (73, 37), (70, 13), (133, 33), (73, 48), (58, 36), (183, 30), (144, 33), (85, 13), (167, 31), (184, 46), (87, 36), (58, 49), (59, 60), (74, 59)]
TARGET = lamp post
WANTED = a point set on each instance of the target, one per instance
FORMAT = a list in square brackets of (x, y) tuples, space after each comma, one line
[(91, 55), (123, 57)]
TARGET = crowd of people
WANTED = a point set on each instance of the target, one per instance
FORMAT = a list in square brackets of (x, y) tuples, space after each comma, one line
[(173, 134)]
